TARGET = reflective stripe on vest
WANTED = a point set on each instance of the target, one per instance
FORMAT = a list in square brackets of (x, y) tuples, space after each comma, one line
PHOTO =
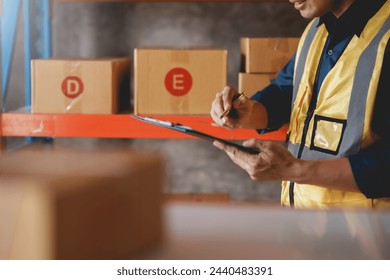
[(357, 104), (300, 65)]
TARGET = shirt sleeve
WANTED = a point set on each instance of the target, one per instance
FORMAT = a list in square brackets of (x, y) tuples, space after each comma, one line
[(276, 97), (371, 167)]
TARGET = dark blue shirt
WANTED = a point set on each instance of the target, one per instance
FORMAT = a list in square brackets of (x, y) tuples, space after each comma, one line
[(370, 167)]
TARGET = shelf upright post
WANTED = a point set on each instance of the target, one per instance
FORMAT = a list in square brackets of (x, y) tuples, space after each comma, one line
[(27, 52), (27, 57), (9, 12), (46, 32), (9, 20), (1, 60), (1, 80)]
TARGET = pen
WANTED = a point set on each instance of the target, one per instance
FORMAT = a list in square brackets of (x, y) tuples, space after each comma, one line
[(164, 123), (226, 112)]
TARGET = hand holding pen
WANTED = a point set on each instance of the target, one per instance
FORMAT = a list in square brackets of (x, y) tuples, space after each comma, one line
[(230, 109)]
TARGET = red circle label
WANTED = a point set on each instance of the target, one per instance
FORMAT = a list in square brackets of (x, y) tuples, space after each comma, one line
[(178, 81), (72, 87)]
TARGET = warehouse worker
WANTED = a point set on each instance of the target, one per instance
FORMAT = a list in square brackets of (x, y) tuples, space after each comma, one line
[(334, 93)]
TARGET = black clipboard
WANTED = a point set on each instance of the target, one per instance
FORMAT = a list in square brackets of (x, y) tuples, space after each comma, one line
[(196, 133)]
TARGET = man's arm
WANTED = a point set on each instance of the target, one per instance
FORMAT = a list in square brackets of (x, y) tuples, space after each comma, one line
[(276, 98)]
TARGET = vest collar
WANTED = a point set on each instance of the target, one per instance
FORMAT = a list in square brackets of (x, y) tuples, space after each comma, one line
[(353, 20)]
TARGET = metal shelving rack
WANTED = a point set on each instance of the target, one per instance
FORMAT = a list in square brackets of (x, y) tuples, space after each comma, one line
[(36, 16)]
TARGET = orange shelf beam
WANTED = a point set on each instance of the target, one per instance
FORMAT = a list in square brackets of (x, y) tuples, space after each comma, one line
[(116, 126)]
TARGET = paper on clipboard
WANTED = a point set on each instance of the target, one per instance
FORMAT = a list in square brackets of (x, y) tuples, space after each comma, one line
[(192, 132)]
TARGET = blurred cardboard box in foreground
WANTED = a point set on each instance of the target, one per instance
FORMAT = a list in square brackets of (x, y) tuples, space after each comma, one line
[(67, 204), (171, 81), (86, 86), (252, 83), (266, 55)]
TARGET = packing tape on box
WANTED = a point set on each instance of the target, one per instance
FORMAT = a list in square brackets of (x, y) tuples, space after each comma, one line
[(72, 86), (282, 46), (181, 57), (278, 44), (182, 107)]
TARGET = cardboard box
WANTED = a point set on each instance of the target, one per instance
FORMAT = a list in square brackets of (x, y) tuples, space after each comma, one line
[(252, 83), (87, 86), (67, 204), (266, 55), (169, 81)]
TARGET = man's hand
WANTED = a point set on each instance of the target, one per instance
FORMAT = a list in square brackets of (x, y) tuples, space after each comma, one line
[(274, 162), (245, 110)]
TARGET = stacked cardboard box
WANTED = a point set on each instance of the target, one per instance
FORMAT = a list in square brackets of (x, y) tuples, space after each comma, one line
[(261, 59), (172, 81), (88, 86), (73, 204)]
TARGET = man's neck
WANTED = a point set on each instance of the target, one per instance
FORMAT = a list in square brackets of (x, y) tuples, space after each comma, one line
[(341, 6)]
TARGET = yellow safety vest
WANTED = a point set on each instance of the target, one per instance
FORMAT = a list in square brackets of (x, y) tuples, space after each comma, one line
[(341, 122)]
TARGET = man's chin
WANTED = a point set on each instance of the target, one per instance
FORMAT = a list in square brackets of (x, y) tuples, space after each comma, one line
[(307, 14)]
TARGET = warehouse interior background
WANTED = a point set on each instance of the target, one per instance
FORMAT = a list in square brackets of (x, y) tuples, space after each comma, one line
[(115, 29)]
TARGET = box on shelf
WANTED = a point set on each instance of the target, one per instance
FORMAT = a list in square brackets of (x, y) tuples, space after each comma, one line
[(266, 55), (252, 83), (172, 81), (89, 86), (73, 204)]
